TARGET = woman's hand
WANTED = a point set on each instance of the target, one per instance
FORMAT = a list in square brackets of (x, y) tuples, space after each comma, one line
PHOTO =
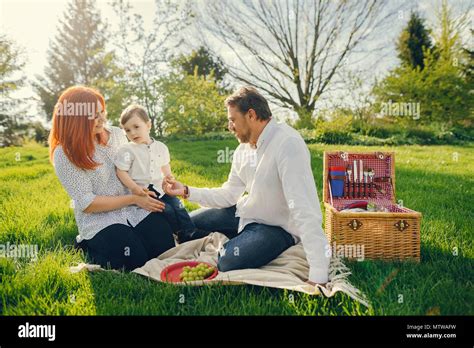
[(142, 191), (148, 203), (139, 191)]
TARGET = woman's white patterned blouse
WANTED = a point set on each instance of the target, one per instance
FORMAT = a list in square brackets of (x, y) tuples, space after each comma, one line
[(84, 185)]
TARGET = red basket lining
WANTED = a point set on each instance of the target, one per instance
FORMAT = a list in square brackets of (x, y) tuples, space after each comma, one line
[(382, 168), (391, 207)]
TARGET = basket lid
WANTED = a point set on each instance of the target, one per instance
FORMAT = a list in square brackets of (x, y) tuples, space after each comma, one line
[(382, 163)]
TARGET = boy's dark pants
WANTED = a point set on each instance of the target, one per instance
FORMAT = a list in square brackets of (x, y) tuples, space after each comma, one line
[(176, 214)]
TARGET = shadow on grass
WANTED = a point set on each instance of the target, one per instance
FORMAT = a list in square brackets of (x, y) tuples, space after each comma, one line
[(440, 284), (132, 294)]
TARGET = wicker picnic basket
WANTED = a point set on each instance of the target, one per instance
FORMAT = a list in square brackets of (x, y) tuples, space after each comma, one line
[(390, 234)]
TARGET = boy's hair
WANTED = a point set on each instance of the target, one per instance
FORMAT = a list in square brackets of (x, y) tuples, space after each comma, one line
[(246, 98), (133, 110)]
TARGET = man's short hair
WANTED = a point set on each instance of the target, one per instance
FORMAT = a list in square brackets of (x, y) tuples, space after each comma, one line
[(246, 98)]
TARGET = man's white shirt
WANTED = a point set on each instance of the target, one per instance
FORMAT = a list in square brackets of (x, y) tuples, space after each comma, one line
[(274, 185)]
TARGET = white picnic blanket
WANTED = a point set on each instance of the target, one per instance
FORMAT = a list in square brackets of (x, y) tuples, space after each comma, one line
[(287, 271)]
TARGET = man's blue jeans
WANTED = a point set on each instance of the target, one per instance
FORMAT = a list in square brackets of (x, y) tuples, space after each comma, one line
[(255, 246)]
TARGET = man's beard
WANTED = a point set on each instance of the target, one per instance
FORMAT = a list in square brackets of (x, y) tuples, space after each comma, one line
[(244, 138)]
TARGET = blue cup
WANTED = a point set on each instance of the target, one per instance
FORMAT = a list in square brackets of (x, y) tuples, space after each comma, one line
[(337, 177)]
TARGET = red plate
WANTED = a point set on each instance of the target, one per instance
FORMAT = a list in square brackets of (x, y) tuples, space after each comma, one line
[(171, 273)]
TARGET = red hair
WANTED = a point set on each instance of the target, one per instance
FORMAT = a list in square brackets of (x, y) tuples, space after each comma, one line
[(73, 130)]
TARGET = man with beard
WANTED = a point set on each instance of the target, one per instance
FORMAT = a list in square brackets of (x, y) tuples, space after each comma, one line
[(269, 201)]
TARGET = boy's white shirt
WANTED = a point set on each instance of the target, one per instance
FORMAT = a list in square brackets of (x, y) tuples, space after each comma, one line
[(143, 162), (281, 192)]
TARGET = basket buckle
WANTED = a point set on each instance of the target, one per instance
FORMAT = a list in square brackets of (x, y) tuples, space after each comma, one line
[(355, 224), (402, 225)]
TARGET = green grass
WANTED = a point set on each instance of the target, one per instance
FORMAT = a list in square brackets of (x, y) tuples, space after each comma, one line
[(36, 210)]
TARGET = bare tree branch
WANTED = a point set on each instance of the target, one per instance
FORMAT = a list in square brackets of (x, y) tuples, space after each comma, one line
[(291, 49)]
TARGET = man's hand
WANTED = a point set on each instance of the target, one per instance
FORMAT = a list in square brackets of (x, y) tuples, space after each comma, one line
[(172, 187)]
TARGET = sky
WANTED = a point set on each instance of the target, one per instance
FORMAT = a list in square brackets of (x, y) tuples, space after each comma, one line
[(33, 23)]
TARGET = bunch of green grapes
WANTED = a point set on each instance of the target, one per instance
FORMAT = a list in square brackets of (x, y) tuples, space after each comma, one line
[(199, 272)]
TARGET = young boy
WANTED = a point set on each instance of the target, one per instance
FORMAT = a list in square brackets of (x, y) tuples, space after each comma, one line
[(143, 163)]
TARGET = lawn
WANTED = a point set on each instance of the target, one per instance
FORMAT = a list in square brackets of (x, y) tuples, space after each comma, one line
[(435, 180)]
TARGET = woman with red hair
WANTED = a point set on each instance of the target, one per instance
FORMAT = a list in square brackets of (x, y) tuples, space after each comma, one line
[(116, 229)]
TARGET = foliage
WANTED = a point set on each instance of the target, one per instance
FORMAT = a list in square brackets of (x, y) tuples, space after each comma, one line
[(12, 61), (202, 63), (192, 105), (77, 56), (144, 54), (413, 42), (440, 92)]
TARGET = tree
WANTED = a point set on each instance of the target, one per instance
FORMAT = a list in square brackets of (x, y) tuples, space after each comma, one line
[(413, 42), (447, 35), (145, 55), (467, 65), (12, 79), (439, 91), (442, 89), (202, 62), (78, 55), (290, 50), (40, 134), (192, 105)]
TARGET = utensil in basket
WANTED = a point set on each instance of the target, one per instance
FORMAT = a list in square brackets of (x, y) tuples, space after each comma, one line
[(355, 180), (371, 176), (380, 189), (348, 185), (366, 174)]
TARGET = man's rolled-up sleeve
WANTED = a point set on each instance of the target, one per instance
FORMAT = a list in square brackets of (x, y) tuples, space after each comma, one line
[(221, 197)]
